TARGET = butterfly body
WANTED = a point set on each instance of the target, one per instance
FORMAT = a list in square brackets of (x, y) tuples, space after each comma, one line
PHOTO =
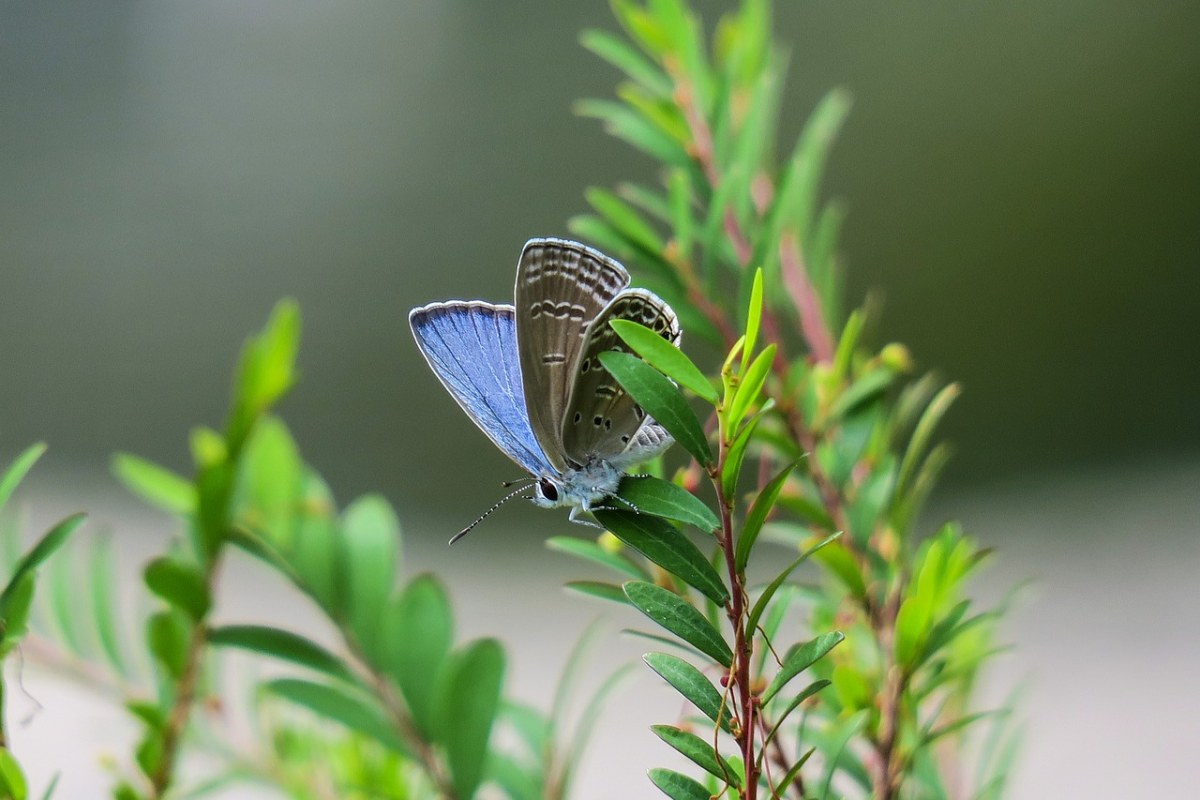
[(530, 377)]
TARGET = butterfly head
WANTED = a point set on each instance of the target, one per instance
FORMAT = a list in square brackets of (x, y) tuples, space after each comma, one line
[(578, 487)]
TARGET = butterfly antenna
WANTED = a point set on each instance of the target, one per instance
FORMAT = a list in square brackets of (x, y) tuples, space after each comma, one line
[(525, 481), (486, 514)]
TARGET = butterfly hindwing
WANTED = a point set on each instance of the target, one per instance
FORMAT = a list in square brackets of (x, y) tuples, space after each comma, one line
[(472, 348), (602, 420), (561, 287)]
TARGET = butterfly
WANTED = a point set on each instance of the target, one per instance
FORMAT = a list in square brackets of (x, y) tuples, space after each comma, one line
[(529, 374)]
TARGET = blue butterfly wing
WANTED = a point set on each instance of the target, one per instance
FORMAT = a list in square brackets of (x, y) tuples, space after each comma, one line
[(472, 348)]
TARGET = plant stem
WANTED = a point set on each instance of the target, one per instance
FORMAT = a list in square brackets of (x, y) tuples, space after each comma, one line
[(743, 640), (185, 695)]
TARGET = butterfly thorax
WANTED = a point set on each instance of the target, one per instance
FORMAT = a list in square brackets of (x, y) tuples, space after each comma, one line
[(579, 487)]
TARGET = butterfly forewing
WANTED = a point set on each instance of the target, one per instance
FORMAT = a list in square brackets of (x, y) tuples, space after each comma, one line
[(472, 348), (602, 420), (561, 288)]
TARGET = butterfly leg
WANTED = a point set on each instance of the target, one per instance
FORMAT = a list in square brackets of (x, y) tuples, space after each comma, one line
[(578, 520)]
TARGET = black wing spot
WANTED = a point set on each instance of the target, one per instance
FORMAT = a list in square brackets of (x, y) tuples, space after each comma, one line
[(578, 417), (625, 439), (586, 365), (608, 424), (639, 413), (597, 420)]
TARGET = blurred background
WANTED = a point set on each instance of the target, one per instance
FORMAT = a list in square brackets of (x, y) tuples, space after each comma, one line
[(1023, 182)]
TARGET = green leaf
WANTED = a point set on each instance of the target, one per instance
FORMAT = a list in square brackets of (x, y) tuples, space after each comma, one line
[(267, 370), (369, 537), (103, 584), (679, 189), (651, 495), (416, 638), (354, 711), (156, 485), (763, 599), (589, 550), (799, 658), (661, 400), (846, 345), (753, 320), (731, 470), (14, 611), (678, 786), (842, 564), (665, 545), (865, 388), (469, 701), (666, 358), (626, 124), (19, 468), (762, 507), (794, 205), (750, 388), (680, 618), (912, 625), (624, 219), (919, 443), (835, 746), (168, 634), (691, 683), (284, 645), (604, 591), (699, 751), (51, 787), (794, 703), (181, 585), (615, 51), (53, 539), (271, 483), (12, 779)]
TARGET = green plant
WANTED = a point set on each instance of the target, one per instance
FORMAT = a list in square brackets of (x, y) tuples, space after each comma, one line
[(840, 440), (16, 599), (808, 440)]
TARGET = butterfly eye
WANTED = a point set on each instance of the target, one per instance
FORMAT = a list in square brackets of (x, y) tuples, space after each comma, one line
[(548, 489)]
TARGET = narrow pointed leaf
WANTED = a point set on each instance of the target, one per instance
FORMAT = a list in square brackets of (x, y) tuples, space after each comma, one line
[(763, 599), (102, 586), (342, 706), (665, 545), (680, 618), (157, 485), (666, 358), (731, 470), (180, 585), (692, 684), (369, 544), (651, 495), (678, 786), (753, 319), (801, 657), (19, 468), (698, 751), (661, 400), (591, 551), (604, 591), (469, 702), (416, 637), (615, 51), (12, 779), (762, 507), (284, 645), (750, 388), (53, 539)]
